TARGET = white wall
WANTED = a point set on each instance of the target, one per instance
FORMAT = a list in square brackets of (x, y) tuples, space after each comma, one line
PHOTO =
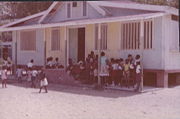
[(23, 57), (152, 58), (171, 34), (76, 13)]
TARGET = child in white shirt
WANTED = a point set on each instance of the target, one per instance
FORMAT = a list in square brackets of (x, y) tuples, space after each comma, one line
[(19, 74), (138, 76), (43, 82)]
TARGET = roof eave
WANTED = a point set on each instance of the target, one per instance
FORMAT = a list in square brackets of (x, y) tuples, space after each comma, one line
[(88, 21)]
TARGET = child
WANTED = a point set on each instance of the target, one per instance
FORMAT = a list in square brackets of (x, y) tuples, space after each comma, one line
[(95, 74), (29, 75), (120, 70), (126, 72), (30, 64), (43, 82), (19, 74), (4, 77), (91, 73), (33, 78), (137, 59), (138, 76), (115, 71)]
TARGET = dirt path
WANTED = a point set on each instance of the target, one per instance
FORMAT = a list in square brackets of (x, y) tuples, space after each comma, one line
[(61, 102)]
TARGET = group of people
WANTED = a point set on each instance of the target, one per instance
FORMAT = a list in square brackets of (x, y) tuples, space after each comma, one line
[(53, 64), (122, 72), (86, 71), (6, 67), (115, 72), (33, 75)]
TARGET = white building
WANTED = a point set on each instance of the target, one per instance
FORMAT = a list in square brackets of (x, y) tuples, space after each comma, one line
[(73, 29)]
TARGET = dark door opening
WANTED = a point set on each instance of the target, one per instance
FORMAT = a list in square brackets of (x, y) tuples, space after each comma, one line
[(81, 44)]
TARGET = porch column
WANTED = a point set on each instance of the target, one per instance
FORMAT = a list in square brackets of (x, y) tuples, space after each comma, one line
[(142, 51), (45, 47), (99, 53), (162, 79), (66, 35)]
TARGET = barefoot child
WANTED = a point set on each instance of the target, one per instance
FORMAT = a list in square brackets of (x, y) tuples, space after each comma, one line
[(43, 82), (4, 77), (19, 74)]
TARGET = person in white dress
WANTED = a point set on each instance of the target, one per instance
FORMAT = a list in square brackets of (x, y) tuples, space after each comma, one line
[(43, 82)]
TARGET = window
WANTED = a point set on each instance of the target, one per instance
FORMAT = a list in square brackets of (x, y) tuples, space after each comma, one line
[(130, 35), (148, 35), (103, 40), (55, 39), (74, 4), (68, 10), (174, 17), (28, 40), (84, 8)]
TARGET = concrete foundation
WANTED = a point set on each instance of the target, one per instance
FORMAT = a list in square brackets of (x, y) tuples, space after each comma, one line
[(162, 79)]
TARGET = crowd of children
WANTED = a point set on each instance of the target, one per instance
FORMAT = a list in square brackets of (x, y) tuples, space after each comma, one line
[(33, 76), (115, 72), (84, 71)]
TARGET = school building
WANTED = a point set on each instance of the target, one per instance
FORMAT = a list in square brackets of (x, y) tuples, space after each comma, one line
[(73, 29)]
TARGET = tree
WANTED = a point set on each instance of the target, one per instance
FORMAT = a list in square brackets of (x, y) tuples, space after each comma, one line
[(172, 3), (15, 10)]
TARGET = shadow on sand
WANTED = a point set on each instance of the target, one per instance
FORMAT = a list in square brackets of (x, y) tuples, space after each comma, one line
[(78, 90)]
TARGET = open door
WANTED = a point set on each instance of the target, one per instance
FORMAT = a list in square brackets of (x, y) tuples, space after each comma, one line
[(81, 44), (77, 44)]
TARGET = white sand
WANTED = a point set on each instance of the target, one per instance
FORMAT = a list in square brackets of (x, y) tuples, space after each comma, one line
[(17, 102)]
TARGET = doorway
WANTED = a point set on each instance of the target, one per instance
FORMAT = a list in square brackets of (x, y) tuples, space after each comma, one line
[(77, 44)]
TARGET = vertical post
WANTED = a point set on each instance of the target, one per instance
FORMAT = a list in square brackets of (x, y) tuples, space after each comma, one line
[(1, 47), (45, 48), (99, 53), (65, 38), (16, 51), (141, 48)]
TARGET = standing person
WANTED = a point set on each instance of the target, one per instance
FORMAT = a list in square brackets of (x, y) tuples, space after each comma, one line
[(130, 59), (19, 74), (4, 77), (30, 64), (92, 57), (103, 68), (115, 72), (43, 82), (29, 75), (33, 78), (138, 76), (137, 59), (126, 72), (120, 70)]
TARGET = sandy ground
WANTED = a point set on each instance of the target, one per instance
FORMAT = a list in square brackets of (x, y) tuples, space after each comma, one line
[(62, 102)]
